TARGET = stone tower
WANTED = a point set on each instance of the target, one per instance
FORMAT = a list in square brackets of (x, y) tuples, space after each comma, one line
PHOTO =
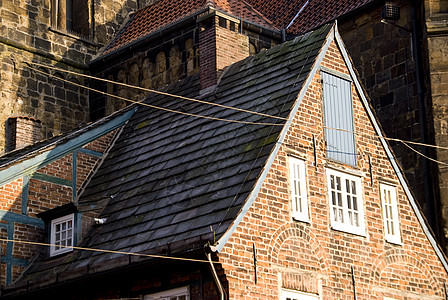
[(62, 34)]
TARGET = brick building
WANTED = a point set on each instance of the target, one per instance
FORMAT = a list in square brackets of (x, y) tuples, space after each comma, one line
[(278, 184), (395, 46)]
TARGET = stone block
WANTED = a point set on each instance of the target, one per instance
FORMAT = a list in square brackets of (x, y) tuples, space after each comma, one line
[(42, 44)]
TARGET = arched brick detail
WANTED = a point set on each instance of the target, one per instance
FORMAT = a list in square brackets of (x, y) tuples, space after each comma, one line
[(295, 230), (403, 258)]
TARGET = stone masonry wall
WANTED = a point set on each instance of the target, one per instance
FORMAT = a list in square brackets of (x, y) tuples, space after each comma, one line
[(436, 19), (28, 35), (312, 257), (175, 55), (383, 55)]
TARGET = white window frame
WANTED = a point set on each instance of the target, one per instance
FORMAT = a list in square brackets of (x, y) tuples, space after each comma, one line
[(68, 236), (391, 222), (343, 213), (170, 294), (298, 188), (296, 295)]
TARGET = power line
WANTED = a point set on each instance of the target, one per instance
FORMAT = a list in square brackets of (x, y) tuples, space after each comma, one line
[(159, 92), (104, 251), (406, 143), (153, 106)]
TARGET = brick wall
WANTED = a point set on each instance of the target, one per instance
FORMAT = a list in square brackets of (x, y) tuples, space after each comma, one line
[(21, 132), (22, 199), (312, 257), (219, 47)]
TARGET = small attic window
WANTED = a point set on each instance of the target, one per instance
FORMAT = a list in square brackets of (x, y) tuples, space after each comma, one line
[(62, 235), (61, 228)]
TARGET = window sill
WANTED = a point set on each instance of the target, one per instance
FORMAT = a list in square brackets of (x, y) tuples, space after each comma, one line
[(350, 230), (73, 36), (301, 219), (395, 241)]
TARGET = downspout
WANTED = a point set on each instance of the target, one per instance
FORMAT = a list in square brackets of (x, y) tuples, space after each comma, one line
[(208, 252), (429, 187)]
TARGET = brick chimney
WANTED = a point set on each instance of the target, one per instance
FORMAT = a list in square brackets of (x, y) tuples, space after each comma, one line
[(220, 45), (21, 132)]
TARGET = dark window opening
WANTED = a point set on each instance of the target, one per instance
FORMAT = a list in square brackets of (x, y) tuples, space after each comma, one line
[(222, 22), (72, 16)]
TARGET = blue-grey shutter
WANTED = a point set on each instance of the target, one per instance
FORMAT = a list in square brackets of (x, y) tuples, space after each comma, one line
[(338, 118)]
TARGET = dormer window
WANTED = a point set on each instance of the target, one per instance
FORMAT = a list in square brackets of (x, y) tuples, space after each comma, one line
[(61, 223), (61, 235)]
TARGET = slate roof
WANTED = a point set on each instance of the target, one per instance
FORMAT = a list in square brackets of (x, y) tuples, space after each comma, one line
[(173, 178), (163, 12)]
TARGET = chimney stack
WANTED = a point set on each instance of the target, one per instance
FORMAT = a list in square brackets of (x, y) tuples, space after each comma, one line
[(22, 131), (220, 45)]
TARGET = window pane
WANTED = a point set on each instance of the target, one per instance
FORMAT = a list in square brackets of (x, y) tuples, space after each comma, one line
[(390, 213), (344, 196)]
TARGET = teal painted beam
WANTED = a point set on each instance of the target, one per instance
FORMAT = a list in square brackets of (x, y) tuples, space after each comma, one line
[(25, 190), (74, 174), (52, 179), (19, 218), (31, 165), (91, 152), (9, 246), (16, 261)]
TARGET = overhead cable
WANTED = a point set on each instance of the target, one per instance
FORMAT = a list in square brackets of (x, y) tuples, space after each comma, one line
[(153, 106), (159, 92), (104, 250)]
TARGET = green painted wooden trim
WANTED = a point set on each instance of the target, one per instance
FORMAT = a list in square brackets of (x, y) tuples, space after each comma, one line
[(25, 190), (31, 165), (52, 179), (9, 248), (91, 152), (19, 218), (74, 173)]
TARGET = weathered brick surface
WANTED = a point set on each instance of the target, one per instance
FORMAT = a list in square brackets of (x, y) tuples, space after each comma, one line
[(312, 257), (42, 196)]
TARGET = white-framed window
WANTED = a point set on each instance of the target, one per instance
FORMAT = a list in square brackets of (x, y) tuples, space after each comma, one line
[(388, 195), (181, 293), (295, 295), (346, 205), (62, 235), (299, 197)]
